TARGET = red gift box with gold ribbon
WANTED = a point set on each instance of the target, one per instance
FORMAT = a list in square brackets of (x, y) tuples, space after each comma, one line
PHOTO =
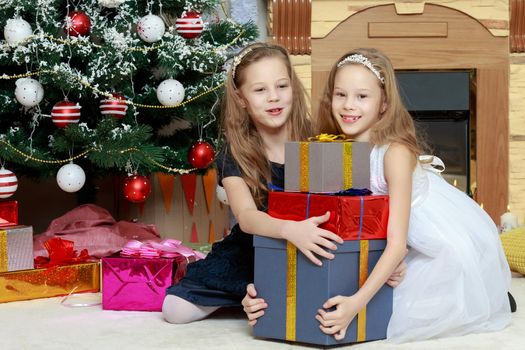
[(348, 214)]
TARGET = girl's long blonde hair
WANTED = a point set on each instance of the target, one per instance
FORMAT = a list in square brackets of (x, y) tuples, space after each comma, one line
[(245, 143), (394, 125)]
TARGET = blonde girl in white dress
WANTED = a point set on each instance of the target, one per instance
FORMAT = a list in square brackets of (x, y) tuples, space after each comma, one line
[(457, 277)]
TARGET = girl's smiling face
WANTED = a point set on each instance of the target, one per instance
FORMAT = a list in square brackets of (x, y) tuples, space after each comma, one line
[(357, 101), (266, 93)]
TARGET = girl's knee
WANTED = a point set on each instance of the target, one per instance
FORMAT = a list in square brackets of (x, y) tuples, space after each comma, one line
[(179, 311), (171, 311)]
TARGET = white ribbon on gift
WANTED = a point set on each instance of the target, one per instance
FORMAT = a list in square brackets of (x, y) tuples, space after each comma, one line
[(432, 163)]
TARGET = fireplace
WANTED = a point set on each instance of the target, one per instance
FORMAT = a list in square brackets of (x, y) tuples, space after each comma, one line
[(441, 103), (435, 38)]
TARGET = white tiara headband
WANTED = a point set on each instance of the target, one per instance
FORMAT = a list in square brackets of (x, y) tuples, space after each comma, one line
[(358, 58), (237, 59)]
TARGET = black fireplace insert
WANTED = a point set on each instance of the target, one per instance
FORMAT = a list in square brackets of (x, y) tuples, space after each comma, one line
[(441, 104)]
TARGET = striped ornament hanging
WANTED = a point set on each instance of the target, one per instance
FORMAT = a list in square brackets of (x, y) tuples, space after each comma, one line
[(65, 112), (189, 25), (115, 107), (8, 183)]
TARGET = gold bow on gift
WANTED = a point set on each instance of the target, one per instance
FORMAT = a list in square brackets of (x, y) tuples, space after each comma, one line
[(329, 138), (304, 179)]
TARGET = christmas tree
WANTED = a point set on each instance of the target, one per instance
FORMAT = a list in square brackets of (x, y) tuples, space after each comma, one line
[(113, 86)]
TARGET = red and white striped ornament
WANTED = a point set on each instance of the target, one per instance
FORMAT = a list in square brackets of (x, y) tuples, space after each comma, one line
[(8, 183), (189, 25), (65, 113), (115, 107)]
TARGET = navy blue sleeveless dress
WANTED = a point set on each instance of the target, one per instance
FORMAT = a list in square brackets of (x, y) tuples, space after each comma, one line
[(221, 278)]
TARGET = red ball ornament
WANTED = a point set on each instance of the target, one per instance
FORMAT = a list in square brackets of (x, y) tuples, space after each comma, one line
[(136, 188), (77, 23), (201, 155), (65, 113), (115, 107), (8, 183), (189, 25)]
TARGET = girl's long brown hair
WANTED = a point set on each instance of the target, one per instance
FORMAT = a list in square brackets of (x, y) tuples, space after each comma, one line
[(245, 143), (395, 124)]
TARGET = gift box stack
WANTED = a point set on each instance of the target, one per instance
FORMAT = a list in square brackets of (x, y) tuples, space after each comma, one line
[(137, 278), (19, 280), (293, 287)]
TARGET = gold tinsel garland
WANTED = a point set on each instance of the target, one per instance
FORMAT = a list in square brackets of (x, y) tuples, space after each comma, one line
[(62, 161)]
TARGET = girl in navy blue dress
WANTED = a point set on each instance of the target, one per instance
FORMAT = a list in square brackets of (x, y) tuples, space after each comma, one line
[(264, 106)]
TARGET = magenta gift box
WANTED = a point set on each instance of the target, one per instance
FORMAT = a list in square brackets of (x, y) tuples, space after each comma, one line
[(138, 284)]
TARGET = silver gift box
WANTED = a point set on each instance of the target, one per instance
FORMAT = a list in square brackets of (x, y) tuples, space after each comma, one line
[(326, 163), (16, 248)]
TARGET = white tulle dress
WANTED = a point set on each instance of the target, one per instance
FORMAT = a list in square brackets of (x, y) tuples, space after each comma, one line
[(457, 277)]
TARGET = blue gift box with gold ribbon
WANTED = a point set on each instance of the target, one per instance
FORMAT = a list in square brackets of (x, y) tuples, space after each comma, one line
[(294, 289)]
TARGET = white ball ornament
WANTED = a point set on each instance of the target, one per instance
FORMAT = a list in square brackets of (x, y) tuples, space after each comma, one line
[(29, 92), (17, 30), (221, 195), (170, 92), (71, 177), (8, 183), (151, 28), (110, 3)]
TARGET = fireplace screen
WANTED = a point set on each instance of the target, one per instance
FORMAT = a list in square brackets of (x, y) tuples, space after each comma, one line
[(439, 102)]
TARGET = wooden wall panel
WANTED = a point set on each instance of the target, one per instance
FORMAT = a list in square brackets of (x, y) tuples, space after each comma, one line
[(492, 14), (517, 25), (291, 25), (492, 130), (468, 45)]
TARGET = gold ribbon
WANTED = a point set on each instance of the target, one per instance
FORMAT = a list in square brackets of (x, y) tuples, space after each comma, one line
[(291, 291), (3, 251), (304, 179), (347, 165), (363, 275), (329, 138)]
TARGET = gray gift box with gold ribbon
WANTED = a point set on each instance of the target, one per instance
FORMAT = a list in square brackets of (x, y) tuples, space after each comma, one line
[(294, 289), (16, 248), (326, 167)]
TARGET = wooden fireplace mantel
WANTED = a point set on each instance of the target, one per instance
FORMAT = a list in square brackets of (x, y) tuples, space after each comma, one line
[(444, 39)]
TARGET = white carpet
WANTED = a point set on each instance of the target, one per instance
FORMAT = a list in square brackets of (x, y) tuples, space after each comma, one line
[(45, 324)]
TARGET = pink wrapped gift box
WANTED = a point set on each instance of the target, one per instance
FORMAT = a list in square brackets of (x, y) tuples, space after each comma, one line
[(131, 281)]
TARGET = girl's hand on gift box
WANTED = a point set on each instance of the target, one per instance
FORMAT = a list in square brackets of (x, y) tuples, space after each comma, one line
[(337, 321), (253, 306), (398, 275), (310, 239)]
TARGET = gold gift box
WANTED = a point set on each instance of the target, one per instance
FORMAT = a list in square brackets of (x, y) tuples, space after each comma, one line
[(49, 282)]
